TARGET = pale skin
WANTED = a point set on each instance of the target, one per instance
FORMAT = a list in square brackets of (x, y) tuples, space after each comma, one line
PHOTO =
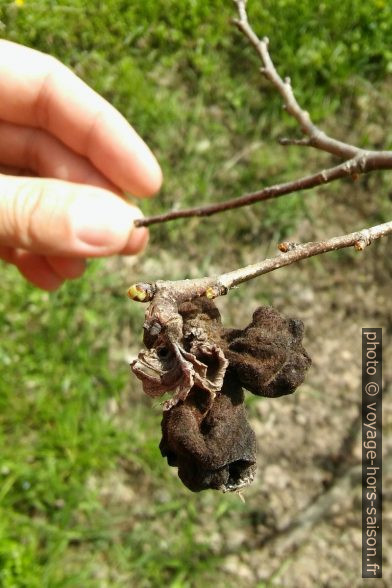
[(66, 159)]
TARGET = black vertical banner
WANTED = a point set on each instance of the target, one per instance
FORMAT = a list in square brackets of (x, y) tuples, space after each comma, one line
[(372, 453)]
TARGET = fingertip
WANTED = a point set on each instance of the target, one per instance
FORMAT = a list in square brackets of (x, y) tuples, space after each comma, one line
[(143, 174), (118, 151), (138, 237), (137, 242), (104, 225), (150, 183), (61, 219)]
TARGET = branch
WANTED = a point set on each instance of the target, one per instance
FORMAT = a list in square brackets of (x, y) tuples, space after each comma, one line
[(357, 160), (293, 252), (316, 137), (182, 290), (167, 295), (363, 162)]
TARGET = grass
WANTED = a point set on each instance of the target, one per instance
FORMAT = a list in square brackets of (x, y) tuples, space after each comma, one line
[(85, 498), (61, 439)]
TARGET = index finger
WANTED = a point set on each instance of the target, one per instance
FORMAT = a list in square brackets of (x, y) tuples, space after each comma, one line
[(37, 90)]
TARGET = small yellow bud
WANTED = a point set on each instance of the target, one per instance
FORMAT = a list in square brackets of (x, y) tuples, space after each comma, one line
[(141, 292), (210, 293), (215, 291), (135, 293)]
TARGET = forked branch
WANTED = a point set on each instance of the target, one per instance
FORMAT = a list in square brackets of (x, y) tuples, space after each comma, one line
[(315, 137), (204, 366), (167, 295), (358, 161)]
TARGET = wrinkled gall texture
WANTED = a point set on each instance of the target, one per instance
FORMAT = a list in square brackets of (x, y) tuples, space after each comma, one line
[(205, 433)]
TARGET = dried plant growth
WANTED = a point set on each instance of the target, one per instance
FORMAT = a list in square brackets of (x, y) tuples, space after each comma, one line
[(205, 366)]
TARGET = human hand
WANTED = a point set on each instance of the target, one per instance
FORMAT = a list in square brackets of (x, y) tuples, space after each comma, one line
[(80, 155)]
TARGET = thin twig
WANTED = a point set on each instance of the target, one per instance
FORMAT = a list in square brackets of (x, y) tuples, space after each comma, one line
[(357, 160), (316, 137), (363, 162), (165, 296), (359, 240), (219, 285)]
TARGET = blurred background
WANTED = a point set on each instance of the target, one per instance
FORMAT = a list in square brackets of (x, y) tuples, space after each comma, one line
[(85, 498)]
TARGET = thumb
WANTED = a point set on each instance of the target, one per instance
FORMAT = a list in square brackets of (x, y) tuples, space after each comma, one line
[(53, 217)]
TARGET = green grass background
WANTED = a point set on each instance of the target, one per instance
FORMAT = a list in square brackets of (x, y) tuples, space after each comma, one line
[(190, 85)]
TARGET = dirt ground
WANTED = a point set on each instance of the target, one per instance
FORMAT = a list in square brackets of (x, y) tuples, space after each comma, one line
[(306, 500)]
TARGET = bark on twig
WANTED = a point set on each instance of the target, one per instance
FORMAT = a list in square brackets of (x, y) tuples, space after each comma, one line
[(181, 290), (204, 365), (357, 160), (363, 162), (315, 137)]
